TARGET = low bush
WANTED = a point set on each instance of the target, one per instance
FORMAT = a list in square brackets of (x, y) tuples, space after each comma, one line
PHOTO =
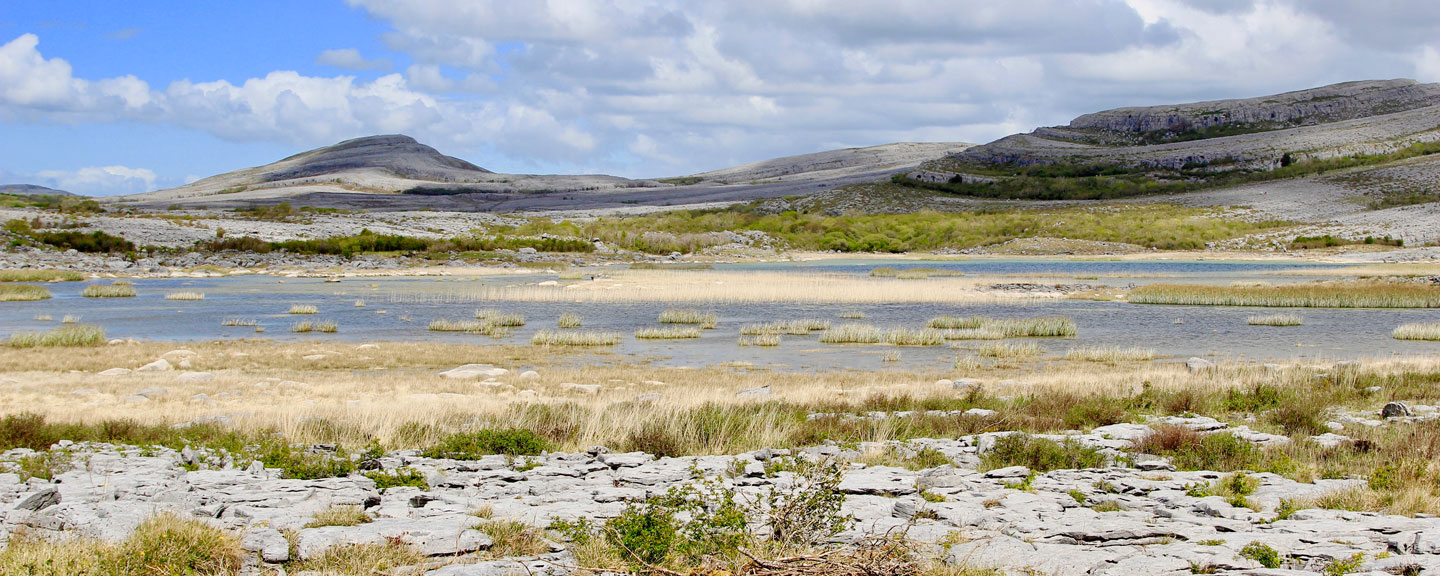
[(1040, 455), (474, 445)]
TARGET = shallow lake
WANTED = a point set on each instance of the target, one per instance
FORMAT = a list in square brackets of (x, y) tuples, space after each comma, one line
[(1172, 331)]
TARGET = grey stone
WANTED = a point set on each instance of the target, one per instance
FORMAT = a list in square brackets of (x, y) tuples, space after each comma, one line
[(152, 392), (40, 500), (194, 377), (1396, 410), (471, 371), (1196, 365), (434, 536), (114, 372), (160, 365), (1009, 472), (268, 542)]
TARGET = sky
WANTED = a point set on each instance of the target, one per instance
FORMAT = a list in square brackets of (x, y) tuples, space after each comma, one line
[(101, 97)]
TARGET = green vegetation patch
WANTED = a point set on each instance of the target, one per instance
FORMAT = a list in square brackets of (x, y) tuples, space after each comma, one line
[(1361, 294)]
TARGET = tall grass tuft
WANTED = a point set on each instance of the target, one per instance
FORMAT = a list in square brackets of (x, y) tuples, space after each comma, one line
[(1110, 354), (70, 319), (909, 337), (788, 327), (22, 293), (40, 276), (75, 335), (499, 318), (1418, 331), (239, 322), (914, 273), (484, 327), (302, 327), (703, 318), (973, 334), (116, 290), (853, 334), (569, 320), (766, 340), (574, 338), (670, 333), (327, 327), (185, 296), (1008, 350), (303, 309), (1355, 294), (1276, 320), (852, 315), (983, 328)]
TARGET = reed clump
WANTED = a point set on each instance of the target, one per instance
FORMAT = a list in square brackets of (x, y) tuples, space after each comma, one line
[(482, 327), (853, 334), (705, 319), (303, 309), (64, 336), (765, 340), (1353, 294), (983, 327), (185, 296), (787, 327), (1009, 350), (574, 338), (40, 276), (1110, 354), (500, 318), (1417, 331), (668, 333), (70, 319), (327, 327), (973, 334), (22, 293), (1276, 320), (116, 290), (914, 273), (911, 337), (239, 322), (570, 320), (302, 327)]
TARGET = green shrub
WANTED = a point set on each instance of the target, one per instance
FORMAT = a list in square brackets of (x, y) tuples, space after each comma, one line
[(1261, 553), (644, 533), (395, 478), (474, 445)]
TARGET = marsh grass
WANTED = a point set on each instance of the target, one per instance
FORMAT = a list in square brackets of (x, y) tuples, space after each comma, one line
[(40, 276), (1350, 294), (851, 315), (64, 336), (302, 327), (327, 327), (569, 320), (852, 334), (1044, 327), (44, 318), (668, 333), (70, 319), (303, 309), (973, 334), (574, 338), (22, 293), (705, 319), (1417, 331), (1276, 320), (185, 296), (1110, 354), (483, 327), (911, 337), (1009, 350), (786, 327), (116, 290), (500, 318), (914, 273), (239, 322), (766, 340)]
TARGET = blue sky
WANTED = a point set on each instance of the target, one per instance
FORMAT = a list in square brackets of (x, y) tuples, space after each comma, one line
[(121, 97)]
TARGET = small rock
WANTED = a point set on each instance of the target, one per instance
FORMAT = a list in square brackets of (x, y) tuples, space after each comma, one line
[(194, 377), (1009, 472), (469, 371), (529, 376), (1156, 465), (152, 392), (965, 384), (40, 500), (1396, 410), (759, 392), (980, 413), (649, 397), (581, 388), (114, 372), (1331, 440), (269, 542)]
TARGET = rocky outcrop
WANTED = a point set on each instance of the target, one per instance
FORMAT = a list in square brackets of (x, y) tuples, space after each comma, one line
[(1333, 103)]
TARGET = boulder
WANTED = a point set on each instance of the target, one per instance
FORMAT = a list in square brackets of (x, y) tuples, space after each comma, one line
[(1396, 410), (1196, 365), (529, 376), (160, 365), (268, 542), (470, 371), (194, 377), (113, 372), (40, 500)]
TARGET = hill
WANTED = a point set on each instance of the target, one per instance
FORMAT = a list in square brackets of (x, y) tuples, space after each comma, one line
[(1179, 148), (31, 190)]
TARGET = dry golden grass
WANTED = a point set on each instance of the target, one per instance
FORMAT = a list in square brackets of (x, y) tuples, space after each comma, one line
[(339, 516), (163, 544), (760, 340), (1353, 294), (1276, 320), (303, 309), (1110, 354), (668, 333), (116, 290), (1418, 331), (22, 293), (717, 287)]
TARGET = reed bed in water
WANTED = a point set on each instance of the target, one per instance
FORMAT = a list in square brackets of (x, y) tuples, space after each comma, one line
[(1044, 327), (574, 338), (40, 276), (239, 322), (22, 293), (707, 287), (116, 290), (1276, 320), (1008, 350), (1319, 295), (1418, 331), (788, 327), (914, 273), (868, 334), (703, 318), (303, 309), (667, 333), (468, 326), (185, 296), (766, 340), (569, 320), (500, 318)]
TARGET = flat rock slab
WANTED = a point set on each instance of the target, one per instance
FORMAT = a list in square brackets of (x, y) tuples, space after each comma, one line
[(436, 536)]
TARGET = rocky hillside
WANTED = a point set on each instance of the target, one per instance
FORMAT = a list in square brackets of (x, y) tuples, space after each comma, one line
[(833, 163), (31, 190), (1169, 149)]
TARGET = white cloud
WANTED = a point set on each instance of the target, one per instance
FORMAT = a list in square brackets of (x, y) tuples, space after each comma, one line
[(99, 180), (350, 59), (1427, 65)]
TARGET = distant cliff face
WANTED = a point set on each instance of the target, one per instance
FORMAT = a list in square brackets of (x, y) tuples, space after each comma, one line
[(31, 190), (1334, 103)]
